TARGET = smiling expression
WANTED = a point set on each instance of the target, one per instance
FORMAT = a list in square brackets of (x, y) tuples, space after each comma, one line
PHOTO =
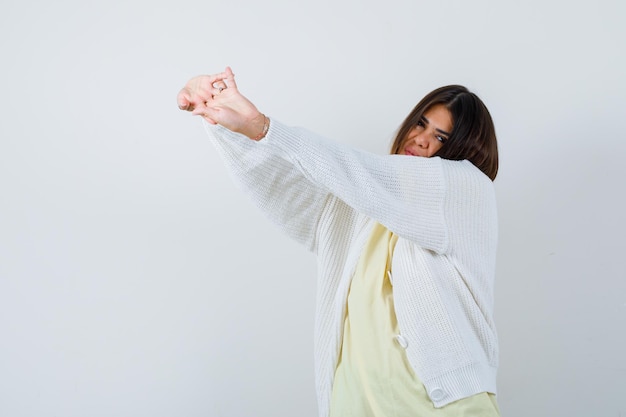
[(430, 133)]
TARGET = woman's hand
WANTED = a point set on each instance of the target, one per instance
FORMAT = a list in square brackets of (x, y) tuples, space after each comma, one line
[(217, 99)]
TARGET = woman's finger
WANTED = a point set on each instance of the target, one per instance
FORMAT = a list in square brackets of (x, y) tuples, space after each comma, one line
[(183, 100), (229, 78)]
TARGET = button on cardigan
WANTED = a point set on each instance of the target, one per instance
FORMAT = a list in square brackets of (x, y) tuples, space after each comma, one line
[(327, 196)]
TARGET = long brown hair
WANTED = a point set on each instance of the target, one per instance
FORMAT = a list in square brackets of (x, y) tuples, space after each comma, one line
[(473, 135)]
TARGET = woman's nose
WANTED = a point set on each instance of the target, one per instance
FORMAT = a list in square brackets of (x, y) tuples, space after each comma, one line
[(421, 140)]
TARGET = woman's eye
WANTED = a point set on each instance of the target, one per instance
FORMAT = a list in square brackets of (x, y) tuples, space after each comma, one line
[(442, 139), (420, 124)]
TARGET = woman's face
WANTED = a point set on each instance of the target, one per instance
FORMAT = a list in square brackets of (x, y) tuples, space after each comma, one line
[(429, 134)]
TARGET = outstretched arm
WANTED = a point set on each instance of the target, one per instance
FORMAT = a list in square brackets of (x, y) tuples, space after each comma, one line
[(403, 193), (273, 183)]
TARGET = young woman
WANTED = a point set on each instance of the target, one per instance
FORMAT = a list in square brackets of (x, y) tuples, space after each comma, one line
[(406, 246)]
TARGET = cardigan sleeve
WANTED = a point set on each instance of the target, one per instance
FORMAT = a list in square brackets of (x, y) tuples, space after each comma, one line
[(273, 183), (404, 193)]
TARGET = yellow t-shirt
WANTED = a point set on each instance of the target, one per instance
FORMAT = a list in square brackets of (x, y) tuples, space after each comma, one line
[(373, 376)]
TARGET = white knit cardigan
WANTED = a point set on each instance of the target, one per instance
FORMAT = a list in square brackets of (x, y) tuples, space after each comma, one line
[(327, 195)]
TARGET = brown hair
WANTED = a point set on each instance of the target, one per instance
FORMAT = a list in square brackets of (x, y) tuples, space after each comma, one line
[(473, 135)]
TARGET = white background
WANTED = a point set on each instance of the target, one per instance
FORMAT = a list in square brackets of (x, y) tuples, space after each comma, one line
[(136, 280)]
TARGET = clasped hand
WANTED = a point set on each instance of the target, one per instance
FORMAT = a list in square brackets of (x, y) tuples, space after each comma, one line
[(217, 99)]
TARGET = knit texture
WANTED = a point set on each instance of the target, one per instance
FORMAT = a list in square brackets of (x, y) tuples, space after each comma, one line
[(327, 196)]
